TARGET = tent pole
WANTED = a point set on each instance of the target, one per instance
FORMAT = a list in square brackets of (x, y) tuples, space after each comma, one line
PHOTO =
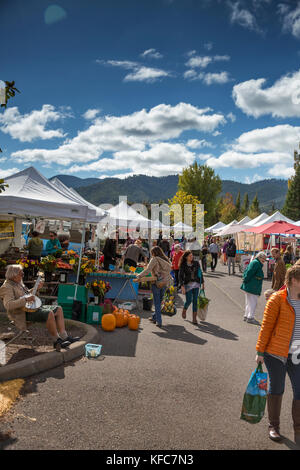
[(81, 250)]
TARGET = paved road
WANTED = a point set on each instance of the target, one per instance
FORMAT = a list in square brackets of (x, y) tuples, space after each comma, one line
[(176, 388)]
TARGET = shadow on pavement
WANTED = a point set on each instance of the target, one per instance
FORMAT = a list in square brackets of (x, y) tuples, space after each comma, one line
[(121, 342), (179, 333), (217, 331), (6, 439), (289, 444)]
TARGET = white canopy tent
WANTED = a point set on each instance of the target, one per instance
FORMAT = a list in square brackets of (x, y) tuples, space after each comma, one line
[(217, 231), (125, 216), (231, 230), (244, 221), (180, 227), (30, 194), (259, 220), (277, 216), (217, 226), (94, 213)]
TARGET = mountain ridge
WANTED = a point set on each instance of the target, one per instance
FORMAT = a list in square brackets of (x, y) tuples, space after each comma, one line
[(153, 189)]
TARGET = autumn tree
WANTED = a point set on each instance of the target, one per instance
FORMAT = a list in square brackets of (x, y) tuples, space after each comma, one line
[(178, 209)]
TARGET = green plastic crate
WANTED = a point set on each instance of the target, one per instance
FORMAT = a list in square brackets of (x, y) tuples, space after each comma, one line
[(66, 294), (67, 309), (94, 314)]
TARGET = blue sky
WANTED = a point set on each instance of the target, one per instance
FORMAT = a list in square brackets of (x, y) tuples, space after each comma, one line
[(122, 87)]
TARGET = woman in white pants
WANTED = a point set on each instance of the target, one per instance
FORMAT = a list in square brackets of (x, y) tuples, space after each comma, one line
[(252, 285)]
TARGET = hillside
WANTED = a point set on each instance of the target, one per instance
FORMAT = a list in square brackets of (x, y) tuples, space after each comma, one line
[(141, 188)]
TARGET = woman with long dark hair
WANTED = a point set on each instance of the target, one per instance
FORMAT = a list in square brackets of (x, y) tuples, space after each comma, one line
[(190, 280), (160, 267)]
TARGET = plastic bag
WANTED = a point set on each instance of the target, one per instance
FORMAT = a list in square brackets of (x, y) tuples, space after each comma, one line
[(255, 397), (203, 302)]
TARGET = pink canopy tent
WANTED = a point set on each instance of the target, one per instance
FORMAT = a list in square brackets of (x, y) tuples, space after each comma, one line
[(276, 227)]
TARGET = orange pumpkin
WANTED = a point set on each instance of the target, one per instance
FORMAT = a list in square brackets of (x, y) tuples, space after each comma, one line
[(119, 319), (133, 322), (126, 317), (108, 322)]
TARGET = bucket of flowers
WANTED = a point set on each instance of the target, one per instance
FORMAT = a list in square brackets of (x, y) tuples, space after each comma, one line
[(29, 266), (168, 303), (86, 267), (48, 265), (99, 289)]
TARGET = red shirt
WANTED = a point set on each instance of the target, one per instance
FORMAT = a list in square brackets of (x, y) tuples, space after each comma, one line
[(176, 258)]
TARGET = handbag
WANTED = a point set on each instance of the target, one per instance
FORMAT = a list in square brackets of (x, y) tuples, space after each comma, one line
[(254, 401), (160, 284)]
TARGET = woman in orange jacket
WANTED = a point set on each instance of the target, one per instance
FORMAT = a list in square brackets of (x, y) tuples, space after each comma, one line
[(278, 346)]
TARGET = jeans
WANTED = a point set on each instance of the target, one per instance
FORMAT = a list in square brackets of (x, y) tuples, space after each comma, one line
[(157, 298), (231, 261), (191, 297), (277, 372), (214, 261)]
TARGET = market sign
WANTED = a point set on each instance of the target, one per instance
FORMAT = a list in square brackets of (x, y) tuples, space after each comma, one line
[(7, 229)]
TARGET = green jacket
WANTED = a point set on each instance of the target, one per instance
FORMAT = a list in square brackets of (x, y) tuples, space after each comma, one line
[(253, 278)]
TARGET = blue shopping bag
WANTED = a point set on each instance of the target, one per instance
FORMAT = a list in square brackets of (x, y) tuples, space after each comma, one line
[(255, 397)]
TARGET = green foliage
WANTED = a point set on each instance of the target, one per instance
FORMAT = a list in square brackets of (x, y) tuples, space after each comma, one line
[(202, 182), (291, 206)]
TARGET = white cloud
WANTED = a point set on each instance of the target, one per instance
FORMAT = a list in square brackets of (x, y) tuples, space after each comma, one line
[(127, 133), (197, 61), (9, 172), (140, 73), (253, 179), (282, 99), (238, 160), (90, 114), (231, 116), (218, 78), (159, 159), (272, 147), (281, 171), (242, 16), (197, 144), (31, 126), (290, 19), (152, 53)]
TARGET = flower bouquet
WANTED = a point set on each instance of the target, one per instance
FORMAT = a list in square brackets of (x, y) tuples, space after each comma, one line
[(28, 263), (168, 303), (99, 289), (203, 302)]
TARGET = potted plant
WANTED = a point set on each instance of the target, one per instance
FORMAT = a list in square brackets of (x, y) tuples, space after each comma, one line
[(28, 266), (99, 289), (48, 265)]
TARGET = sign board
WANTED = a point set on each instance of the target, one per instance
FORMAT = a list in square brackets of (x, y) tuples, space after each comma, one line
[(7, 229)]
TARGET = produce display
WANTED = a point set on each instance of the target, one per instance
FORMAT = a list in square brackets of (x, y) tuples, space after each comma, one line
[(122, 318), (168, 303)]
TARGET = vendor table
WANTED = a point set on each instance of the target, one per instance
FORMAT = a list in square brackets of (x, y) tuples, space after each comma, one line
[(122, 285)]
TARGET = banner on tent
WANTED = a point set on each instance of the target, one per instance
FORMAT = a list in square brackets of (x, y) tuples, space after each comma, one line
[(7, 229)]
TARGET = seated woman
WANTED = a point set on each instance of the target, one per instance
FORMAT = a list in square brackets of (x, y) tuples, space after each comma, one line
[(12, 291)]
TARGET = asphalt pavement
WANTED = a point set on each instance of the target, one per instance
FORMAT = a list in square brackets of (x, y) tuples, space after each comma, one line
[(180, 387)]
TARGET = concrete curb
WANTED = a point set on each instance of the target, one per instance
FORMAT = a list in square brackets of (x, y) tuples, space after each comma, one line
[(49, 360)]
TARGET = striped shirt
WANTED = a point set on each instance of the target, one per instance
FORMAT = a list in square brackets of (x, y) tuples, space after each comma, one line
[(296, 333)]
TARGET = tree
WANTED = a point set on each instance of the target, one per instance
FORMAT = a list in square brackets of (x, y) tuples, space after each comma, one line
[(10, 91), (254, 210), (238, 205), (227, 209), (291, 206), (202, 182), (245, 206), (181, 199)]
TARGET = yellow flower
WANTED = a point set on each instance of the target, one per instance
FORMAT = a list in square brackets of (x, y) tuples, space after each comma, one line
[(72, 261), (26, 265)]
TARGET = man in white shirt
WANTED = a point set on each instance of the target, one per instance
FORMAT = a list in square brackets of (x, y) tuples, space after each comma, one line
[(214, 250)]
